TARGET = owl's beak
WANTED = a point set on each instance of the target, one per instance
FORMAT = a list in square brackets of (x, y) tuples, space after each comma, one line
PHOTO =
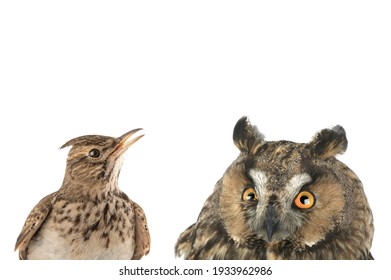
[(125, 141), (271, 221)]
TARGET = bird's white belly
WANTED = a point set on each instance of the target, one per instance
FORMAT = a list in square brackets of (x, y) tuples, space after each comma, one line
[(49, 244)]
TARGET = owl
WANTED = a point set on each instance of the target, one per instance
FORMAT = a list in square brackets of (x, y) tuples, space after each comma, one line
[(281, 200)]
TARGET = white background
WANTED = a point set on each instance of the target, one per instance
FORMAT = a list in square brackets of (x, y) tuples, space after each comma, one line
[(186, 71)]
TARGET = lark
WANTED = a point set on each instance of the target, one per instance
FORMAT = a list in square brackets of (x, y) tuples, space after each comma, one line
[(89, 217)]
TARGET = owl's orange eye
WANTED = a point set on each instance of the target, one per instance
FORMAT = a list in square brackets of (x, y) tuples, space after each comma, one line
[(305, 200), (249, 195)]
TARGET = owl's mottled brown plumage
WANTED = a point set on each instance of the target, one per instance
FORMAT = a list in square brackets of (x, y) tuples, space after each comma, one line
[(89, 217), (283, 200)]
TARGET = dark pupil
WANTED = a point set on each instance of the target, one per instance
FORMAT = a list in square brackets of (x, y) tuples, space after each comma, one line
[(94, 153), (251, 196), (304, 199)]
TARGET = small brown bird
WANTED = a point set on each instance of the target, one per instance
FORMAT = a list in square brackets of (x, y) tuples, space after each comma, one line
[(89, 217)]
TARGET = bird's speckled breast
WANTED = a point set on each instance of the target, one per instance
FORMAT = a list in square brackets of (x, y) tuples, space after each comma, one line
[(86, 230)]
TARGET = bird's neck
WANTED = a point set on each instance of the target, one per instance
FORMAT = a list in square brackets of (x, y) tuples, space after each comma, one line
[(83, 190)]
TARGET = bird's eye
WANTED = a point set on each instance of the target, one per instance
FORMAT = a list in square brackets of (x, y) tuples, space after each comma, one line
[(305, 200), (249, 195), (94, 153)]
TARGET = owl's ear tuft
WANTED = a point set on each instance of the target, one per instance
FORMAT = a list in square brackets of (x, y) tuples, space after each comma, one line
[(329, 142), (247, 137)]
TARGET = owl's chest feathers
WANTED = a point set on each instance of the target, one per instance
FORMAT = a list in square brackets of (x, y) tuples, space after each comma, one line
[(327, 249), (276, 250), (88, 230)]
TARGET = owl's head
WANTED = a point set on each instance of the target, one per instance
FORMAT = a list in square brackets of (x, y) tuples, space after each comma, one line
[(280, 190)]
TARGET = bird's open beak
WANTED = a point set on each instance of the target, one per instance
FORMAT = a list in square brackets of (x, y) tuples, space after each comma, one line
[(126, 141)]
